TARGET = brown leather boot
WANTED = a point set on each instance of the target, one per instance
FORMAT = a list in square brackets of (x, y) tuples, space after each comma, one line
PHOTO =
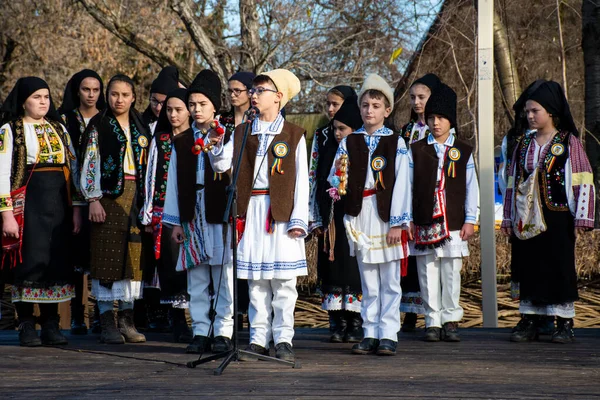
[(110, 334), (127, 327)]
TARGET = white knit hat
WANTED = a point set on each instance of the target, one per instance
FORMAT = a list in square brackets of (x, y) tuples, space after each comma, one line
[(375, 82), (286, 82)]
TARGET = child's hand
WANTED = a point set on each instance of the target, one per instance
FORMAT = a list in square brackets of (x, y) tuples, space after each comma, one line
[(394, 236), (148, 229), (467, 231), (507, 231), (177, 234), (295, 233)]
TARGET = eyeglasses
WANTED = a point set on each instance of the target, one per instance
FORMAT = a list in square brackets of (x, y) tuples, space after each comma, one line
[(236, 91), (156, 103), (260, 90)]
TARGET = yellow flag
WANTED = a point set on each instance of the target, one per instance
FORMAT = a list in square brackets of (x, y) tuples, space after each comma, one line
[(395, 55)]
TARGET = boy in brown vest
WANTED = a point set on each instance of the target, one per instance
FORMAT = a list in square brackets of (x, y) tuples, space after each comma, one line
[(445, 197), (195, 206), (378, 213), (272, 196)]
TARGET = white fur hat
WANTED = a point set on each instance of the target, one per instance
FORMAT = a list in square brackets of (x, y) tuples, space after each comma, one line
[(375, 82), (286, 82)]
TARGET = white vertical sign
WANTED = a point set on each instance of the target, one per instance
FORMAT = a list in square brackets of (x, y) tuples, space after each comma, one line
[(485, 121)]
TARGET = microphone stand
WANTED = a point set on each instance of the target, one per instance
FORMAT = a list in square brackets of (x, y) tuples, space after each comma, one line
[(231, 212)]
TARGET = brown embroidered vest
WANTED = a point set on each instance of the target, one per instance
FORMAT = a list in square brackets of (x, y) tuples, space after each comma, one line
[(358, 157), (281, 186), (425, 161), (215, 199)]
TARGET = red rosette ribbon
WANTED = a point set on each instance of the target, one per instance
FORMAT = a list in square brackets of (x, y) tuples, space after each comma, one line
[(198, 146)]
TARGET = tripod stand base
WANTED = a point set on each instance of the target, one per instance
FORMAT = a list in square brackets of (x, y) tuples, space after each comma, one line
[(234, 355)]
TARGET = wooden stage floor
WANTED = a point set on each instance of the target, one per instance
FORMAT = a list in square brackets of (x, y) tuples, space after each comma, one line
[(485, 365)]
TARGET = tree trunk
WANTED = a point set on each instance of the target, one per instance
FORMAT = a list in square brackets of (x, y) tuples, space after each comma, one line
[(250, 51), (590, 15), (506, 67)]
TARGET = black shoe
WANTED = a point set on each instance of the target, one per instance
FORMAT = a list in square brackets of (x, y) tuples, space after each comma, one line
[(340, 324), (182, 333), (366, 346), (354, 330), (51, 335), (253, 349), (158, 319), (386, 347), (78, 328), (433, 334), (284, 352), (526, 329), (28, 336), (564, 331), (450, 332), (410, 323), (222, 344), (199, 345)]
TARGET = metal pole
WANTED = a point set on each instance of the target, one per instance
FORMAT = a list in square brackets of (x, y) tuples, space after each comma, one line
[(485, 71)]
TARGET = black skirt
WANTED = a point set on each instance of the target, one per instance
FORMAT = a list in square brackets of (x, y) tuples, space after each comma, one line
[(47, 233), (340, 275), (545, 264), (410, 282), (172, 283)]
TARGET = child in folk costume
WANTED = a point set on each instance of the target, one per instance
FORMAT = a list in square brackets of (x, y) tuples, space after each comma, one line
[(338, 270), (174, 119), (195, 206), (378, 213), (271, 249), (549, 201), (445, 197), (417, 129), (114, 162), (38, 187)]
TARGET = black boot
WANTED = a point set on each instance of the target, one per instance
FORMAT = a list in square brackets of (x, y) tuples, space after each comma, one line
[(28, 336), (158, 318), (450, 332), (51, 335), (526, 329), (546, 325), (182, 333), (410, 323), (96, 324), (78, 326), (366, 346), (340, 326), (564, 331), (354, 331), (110, 333), (127, 327), (199, 345)]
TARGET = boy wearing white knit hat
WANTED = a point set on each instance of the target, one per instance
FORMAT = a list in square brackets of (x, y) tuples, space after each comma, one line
[(378, 213), (271, 252)]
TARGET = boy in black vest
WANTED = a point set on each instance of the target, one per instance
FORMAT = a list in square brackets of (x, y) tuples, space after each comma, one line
[(195, 206), (378, 213), (445, 197)]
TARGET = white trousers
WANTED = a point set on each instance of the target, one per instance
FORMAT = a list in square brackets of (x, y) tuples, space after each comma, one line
[(198, 289), (439, 278), (381, 299), (271, 310)]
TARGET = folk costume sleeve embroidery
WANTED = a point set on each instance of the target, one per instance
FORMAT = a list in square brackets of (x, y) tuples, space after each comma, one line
[(149, 184), (314, 216), (401, 211), (579, 183), (299, 217), (171, 210), (90, 170)]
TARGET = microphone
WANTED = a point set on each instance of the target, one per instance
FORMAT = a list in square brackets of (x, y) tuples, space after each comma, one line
[(252, 113)]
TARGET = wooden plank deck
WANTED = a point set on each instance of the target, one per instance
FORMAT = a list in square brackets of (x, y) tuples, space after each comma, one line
[(485, 365)]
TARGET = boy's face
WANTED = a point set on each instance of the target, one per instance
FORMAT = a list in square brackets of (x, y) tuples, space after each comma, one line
[(341, 130), (373, 111), (439, 125), (201, 108), (265, 97)]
